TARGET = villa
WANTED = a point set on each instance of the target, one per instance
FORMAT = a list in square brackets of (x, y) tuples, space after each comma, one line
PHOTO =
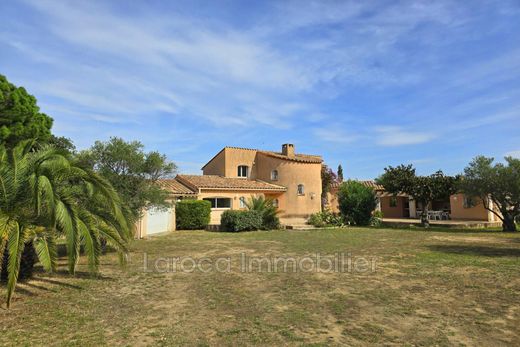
[(234, 175), (293, 182)]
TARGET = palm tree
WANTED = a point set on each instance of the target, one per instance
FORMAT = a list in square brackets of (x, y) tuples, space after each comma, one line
[(268, 210), (44, 196)]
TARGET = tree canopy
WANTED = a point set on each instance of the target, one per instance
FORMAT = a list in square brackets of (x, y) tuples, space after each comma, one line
[(498, 184), (132, 172), (20, 116), (424, 189)]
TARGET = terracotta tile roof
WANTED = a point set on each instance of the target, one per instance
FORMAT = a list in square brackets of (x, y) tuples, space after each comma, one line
[(219, 182), (175, 187), (370, 184), (301, 158)]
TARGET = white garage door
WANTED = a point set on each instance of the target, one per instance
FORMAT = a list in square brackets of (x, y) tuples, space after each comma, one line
[(159, 221)]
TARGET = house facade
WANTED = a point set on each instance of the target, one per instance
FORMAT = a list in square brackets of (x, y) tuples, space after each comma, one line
[(292, 180), (402, 206)]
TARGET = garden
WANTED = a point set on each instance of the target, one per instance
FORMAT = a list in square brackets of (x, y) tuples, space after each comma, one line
[(73, 275), (428, 288)]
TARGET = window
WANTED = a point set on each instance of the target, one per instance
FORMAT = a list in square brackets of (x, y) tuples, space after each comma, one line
[(469, 202), (301, 189), (242, 201), (219, 202), (393, 201), (274, 175), (243, 171), (275, 203)]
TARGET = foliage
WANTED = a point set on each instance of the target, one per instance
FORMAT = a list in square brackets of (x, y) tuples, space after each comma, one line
[(325, 218), (44, 195), (327, 178), (500, 183), (356, 202), (340, 173), (131, 171), (20, 117), (377, 219), (424, 189), (267, 209), (62, 143), (234, 220), (192, 214), (27, 261)]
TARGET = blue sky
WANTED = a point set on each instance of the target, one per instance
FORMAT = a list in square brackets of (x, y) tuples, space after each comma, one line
[(364, 83)]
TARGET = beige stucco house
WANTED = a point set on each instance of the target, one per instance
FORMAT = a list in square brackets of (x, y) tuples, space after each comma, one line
[(401, 206), (234, 175)]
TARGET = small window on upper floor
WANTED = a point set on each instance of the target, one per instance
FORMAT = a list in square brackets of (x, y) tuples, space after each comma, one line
[(275, 203), (393, 201), (243, 171), (242, 201), (274, 175), (301, 189)]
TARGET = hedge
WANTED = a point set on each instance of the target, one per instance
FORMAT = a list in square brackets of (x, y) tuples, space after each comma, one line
[(192, 214), (232, 220)]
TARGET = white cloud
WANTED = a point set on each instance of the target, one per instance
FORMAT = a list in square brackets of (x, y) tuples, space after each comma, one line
[(514, 154), (397, 136), (335, 134)]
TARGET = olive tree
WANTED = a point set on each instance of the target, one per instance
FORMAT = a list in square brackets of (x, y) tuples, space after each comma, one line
[(424, 189), (133, 172), (497, 186)]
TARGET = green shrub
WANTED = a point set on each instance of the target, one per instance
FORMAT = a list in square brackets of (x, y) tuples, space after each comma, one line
[(377, 219), (233, 220), (192, 214), (356, 202), (325, 218), (316, 219), (267, 209)]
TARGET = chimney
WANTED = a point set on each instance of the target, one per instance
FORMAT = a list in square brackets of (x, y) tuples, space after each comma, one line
[(288, 149)]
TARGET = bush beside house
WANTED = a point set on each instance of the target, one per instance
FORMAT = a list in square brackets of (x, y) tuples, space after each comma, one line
[(356, 202), (193, 214), (324, 219), (267, 210), (235, 221)]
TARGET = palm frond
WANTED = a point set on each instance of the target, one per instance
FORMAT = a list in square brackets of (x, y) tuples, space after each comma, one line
[(91, 244), (47, 252), (15, 244)]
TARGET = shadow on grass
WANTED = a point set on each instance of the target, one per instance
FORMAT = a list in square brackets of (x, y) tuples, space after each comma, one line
[(35, 286), (58, 283), (476, 250), (457, 230)]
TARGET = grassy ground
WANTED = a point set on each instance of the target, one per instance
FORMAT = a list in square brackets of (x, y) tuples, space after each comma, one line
[(428, 288)]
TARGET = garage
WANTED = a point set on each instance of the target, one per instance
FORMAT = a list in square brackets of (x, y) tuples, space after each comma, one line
[(160, 221)]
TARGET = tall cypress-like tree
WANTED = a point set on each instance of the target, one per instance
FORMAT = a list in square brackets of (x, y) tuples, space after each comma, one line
[(340, 173)]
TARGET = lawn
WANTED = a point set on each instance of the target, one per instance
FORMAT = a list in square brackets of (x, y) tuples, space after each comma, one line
[(426, 288)]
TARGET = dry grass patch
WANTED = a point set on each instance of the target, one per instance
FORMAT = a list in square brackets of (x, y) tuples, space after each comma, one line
[(429, 288)]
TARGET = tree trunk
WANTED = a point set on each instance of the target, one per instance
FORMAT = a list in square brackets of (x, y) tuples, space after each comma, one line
[(508, 223), (424, 219)]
